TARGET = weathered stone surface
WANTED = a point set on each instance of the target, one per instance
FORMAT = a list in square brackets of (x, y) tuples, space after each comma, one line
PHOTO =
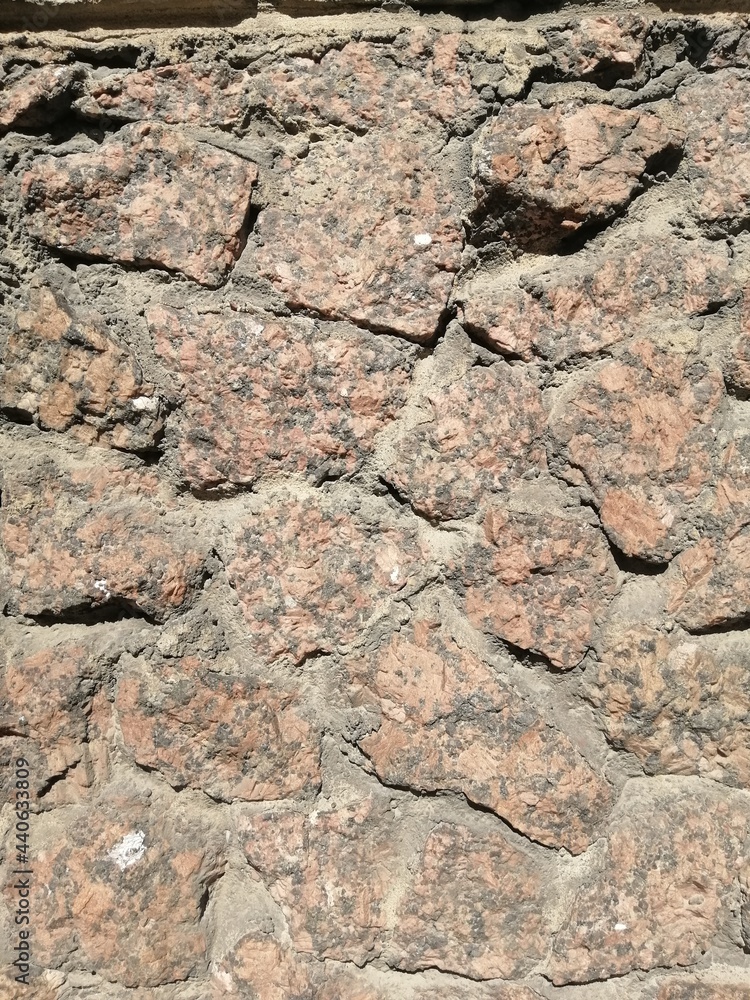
[(336, 243), (116, 871), (737, 371), (262, 395), (680, 705), (600, 297), (61, 368), (476, 907), (258, 966), (695, 989), (664, 888), (485, 432), (639, 430), (232, 735), (54, 711), (605, 48), (309, 576), (476, 991), (718, 149), (95, 534), (27, 100), (539, 581), (448, 721), (708, 584), (542, 174), (148, 196), (188, 93), (330, 873), (364, 85)]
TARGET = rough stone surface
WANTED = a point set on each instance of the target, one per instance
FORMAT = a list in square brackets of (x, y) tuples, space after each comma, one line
[(483, 433), (694, 989), (601, 297), (448, 721), (386, 270), (539, 581), (123, 867), (95, 537), (679, 704), (186, 94), (664, 889), (27, 100), (331, 873), (640, 432), (262, 395), (233, 736), (603, 48), (717, 149), (309, 577), (375, 500), (474, 908), (62, 369), (149, 196), (541, 174), (54, 712)]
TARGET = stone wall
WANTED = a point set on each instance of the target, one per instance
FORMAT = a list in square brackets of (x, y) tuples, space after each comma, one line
[(375, 470)]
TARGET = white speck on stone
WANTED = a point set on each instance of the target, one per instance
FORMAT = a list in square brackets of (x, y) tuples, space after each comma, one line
[(621, 927), (141, 403), (343, 392), (101, 586), (422, 240), (395, 574), (130, 850)]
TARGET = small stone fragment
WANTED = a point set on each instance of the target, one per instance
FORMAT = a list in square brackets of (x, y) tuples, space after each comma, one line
[(28, 100), (665, 887), (185, 94), (681, 705), (542, 174), (448, 721), (263, 395), (148, 196), (232, 736), (605, 48), (61, 368), (539, 581), (640, 431), (476, 907), (348, 241), (309, 577), (486, 431), (96, 534)]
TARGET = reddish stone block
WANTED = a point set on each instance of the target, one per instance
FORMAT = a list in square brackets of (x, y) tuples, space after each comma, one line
[(148, 196), (541, 174), (309, 576), (664, 888), (539, 581), (450, 722), (485, 431), (62, 369), (262, 395)]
